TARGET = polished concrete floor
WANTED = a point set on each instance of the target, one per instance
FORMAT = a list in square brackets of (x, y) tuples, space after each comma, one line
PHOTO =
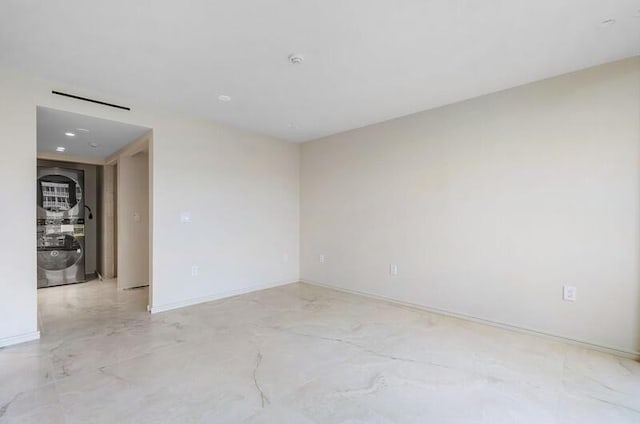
[(296, 354)]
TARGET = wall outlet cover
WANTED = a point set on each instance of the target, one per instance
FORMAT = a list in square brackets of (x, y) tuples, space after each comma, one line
[(569, 293)]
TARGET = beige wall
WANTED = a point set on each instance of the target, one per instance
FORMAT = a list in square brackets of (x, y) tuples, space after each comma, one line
[(133, 220), (242, 191), (241, 188), (489, 206), (108, 222), (18, 222)]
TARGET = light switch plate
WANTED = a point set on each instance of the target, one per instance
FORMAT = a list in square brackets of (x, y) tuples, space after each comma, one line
[(569, 293)]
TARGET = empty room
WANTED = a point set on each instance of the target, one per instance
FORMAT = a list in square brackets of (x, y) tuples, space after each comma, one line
[(309, 212)]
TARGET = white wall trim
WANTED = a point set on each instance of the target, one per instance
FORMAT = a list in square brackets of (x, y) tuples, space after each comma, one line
[(140, 144), (21, 338), (61, 157), (217, 296), (560, 338)]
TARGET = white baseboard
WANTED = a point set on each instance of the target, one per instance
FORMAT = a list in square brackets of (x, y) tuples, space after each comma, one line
[(217, 296), (21, 338), (589, 345)]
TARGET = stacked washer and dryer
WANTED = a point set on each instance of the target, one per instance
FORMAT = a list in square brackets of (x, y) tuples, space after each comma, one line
[(60, 226)]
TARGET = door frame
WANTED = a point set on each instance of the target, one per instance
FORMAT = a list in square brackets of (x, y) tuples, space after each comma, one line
[(144, 143)]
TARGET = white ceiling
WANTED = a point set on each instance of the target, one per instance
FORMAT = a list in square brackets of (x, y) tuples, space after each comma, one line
[(110, 136), (365, 60)]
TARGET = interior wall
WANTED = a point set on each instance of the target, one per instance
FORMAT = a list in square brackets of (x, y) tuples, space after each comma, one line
[(133, 220), (98, 217), (489, 206), (18, 301), (91, 200), (108, 222), (242, 194), (115, 220), (242, 190)]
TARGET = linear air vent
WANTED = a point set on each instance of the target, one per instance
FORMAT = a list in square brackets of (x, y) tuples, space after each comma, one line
[(59, 93)]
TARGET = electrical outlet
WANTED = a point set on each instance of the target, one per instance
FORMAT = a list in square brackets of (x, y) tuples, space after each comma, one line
[(321, 258), (393, 270), (194, 270), (569, 293)]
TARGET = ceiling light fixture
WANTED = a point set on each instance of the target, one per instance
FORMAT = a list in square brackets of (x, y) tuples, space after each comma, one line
[(224, 98), (608, 22), (296, 59), (70, 134), (93, 144), (82, 129), (60, 149)]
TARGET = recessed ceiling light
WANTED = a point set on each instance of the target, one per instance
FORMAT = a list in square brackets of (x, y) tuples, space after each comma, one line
[(93, 144), (70, 134), (224, 98), (60, 149), (296, 59), (608, 22), (82, 129)]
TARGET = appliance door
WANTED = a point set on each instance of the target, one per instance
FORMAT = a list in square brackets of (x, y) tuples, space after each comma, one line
[(60, 254), (60, 193)]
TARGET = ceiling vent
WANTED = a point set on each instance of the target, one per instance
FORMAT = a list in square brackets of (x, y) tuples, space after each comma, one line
[(60, 93)]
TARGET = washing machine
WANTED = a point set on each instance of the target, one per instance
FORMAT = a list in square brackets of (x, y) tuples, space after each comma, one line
[(60, 226)]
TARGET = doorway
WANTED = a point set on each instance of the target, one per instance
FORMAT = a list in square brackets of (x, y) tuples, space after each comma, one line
[(93, 202)]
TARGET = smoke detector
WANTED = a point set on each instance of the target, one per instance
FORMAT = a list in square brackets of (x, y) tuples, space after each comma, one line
[(296, 59)]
